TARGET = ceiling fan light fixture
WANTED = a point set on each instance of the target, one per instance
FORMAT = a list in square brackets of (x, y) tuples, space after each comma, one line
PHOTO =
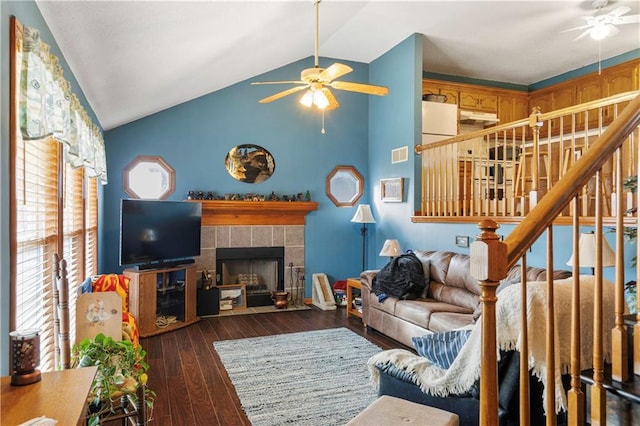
[(600, 31), (307, 98), (320, 100)]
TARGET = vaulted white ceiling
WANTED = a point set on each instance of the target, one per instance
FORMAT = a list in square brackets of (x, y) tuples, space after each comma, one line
[(135, 58)]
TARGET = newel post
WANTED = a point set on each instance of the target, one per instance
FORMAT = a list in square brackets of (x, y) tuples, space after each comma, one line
[(488, 265), (535, 124)]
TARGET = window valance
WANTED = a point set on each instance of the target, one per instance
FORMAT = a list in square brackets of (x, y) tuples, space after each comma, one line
[(48, 108)]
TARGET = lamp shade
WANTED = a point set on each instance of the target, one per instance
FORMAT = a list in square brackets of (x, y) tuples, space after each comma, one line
[(391, 248), (587, 252), (363, 214)]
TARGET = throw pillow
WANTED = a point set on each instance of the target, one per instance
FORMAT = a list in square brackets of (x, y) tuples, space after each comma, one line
[(441, 349)]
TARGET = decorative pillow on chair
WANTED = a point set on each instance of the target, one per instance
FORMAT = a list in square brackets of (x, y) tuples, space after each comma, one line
[(113, 282), (441, 348)]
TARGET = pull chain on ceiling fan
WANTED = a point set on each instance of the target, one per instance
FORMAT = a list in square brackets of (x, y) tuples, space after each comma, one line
[(318, 81)]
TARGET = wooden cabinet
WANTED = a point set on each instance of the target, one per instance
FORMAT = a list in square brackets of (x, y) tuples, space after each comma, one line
[(434, 88), (511, 105), (611, 81), (617, 81), (512, 108), (479, 101), (162, 299)]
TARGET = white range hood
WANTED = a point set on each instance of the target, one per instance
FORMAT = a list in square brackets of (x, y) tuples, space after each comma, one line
[(475, 117)]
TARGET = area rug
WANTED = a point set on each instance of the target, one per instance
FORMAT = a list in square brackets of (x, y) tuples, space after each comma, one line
[(309, 378)]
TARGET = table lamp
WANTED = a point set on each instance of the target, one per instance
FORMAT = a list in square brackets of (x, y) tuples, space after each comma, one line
[(363, 215), (587, 252), (391, 248)]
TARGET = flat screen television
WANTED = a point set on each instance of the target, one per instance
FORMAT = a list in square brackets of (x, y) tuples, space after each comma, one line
[(155, 234)]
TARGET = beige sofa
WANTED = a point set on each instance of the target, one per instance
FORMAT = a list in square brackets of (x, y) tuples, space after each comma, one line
[(451, 300)]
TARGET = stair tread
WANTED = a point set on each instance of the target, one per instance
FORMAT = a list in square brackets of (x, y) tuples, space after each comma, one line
[(629, 390)]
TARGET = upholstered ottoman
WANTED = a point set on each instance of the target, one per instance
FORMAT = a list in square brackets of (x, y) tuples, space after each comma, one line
[(389, 411)]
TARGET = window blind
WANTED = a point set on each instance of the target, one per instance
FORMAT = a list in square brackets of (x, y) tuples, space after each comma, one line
[(36, 235)]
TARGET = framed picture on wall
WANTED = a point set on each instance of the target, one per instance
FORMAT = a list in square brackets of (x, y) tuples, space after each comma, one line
[(392, 190)]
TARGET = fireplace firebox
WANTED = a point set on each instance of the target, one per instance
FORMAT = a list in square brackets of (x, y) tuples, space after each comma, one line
[(261, 269)]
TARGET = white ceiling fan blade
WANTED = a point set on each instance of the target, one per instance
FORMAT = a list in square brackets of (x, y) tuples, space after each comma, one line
[(620, 11), (612, 31), (582, 35), (631, 19), (581, 27)]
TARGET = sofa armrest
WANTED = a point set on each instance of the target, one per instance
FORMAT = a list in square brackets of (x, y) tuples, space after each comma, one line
[(366, 278)]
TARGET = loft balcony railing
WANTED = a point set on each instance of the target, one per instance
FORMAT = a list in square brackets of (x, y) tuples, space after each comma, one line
[(570, 164), (504, 171)]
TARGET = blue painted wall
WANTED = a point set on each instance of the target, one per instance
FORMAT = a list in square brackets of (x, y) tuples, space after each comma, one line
[(195, 137), (28, 14)]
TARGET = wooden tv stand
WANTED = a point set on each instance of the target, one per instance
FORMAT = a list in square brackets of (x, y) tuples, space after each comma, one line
[(167, 292)]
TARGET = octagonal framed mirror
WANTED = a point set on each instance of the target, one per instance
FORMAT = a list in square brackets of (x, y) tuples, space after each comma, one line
[(344, 186), (149, 177)]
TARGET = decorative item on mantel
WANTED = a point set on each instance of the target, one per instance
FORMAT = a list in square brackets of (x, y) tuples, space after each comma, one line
[(249, 196)]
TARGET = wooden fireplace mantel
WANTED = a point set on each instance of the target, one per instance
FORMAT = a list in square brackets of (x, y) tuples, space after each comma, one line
[(222, 212)]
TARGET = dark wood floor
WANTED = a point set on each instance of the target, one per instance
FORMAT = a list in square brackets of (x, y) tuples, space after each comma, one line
[(191, 383)]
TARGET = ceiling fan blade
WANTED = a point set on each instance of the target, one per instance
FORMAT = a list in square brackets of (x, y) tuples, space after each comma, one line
[(369, 89), (620, 11), (334, 71), (581, 27), (631, 19), (283, 94), (582, 35), (279, 82), (333, 102)]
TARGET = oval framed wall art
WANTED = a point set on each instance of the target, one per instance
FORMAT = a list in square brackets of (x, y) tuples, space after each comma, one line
[(250, 163)]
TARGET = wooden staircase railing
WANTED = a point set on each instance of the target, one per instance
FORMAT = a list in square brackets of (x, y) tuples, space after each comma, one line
[(491, 258), (503, 171)]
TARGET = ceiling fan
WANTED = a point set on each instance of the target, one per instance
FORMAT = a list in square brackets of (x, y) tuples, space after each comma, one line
[(602, 26), (318, 81)]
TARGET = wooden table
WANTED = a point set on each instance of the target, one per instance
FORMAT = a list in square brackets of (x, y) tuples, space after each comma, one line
[(351, 284), (60, 395)]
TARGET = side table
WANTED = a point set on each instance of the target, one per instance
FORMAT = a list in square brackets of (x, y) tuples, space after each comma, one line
[(353, 283)]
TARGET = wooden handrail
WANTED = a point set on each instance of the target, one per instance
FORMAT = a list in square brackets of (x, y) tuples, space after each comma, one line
[(559, 196), (537, 115)]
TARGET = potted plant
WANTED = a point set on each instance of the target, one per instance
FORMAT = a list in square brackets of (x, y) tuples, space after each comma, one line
[(121, 370)]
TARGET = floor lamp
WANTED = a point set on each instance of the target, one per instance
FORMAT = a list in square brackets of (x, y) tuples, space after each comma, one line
[(363, 215)]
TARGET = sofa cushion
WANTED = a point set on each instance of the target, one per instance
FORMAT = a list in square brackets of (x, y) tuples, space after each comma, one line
[(418, 312), (441, 349), (445, 321), (387, 305)]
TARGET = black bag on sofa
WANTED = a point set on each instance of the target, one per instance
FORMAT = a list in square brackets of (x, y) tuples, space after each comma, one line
[(402, 278)]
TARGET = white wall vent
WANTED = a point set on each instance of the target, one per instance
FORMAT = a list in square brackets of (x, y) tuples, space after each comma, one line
[(400, 155)]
